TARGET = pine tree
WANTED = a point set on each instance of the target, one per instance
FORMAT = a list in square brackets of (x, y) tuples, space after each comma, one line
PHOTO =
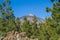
[(54, 21), (18, 24), (25, 25), (7, 18)]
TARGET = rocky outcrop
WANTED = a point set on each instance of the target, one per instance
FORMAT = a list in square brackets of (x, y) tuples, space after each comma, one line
[(17, 36), (1, 38)]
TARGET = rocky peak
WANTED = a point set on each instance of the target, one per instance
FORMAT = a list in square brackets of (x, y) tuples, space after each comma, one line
[(30, 15), (30, 18)]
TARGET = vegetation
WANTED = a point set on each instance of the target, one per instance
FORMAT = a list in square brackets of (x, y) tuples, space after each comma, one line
[(48, 30), (7, 18)]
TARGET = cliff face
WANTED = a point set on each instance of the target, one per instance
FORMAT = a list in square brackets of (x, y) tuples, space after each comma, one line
[(17, 36)]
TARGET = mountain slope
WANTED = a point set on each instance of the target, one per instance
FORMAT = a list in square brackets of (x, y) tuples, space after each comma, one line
[(30, 18)]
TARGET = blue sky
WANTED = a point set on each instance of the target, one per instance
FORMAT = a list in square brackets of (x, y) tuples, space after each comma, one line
[(35, 7)]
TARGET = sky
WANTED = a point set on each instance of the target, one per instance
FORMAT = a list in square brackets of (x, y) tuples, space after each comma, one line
[(35, 7)]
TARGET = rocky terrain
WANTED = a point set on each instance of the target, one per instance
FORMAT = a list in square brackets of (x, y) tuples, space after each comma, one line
[(17, 36)]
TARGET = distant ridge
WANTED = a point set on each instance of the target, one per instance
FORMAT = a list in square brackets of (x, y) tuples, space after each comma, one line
[(30, 18)]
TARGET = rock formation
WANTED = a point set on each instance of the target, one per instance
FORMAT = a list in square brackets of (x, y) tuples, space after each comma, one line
[(17, 36)]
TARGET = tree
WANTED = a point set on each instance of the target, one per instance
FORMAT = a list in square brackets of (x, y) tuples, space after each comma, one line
[(7, 18), (54, 20), (34, 28), (18, 24), (25, 25)]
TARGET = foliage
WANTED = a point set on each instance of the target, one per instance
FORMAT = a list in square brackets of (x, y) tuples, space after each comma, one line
[(48, 30), (7, 18)]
